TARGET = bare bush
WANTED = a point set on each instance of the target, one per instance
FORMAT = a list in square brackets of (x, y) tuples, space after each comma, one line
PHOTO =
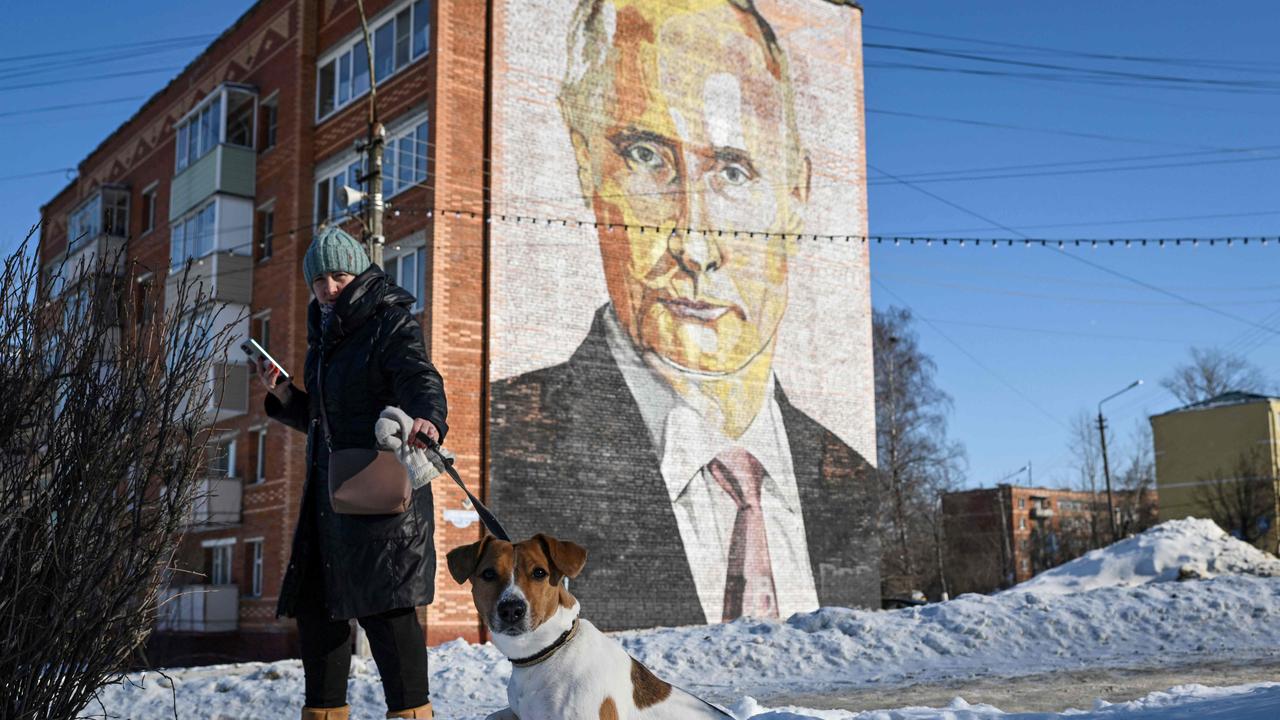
[(101, 443)]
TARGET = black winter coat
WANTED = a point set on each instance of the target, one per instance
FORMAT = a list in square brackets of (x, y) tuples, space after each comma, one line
[(372, 356)]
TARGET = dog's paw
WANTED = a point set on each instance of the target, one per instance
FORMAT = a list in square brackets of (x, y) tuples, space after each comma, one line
[(503, 714)]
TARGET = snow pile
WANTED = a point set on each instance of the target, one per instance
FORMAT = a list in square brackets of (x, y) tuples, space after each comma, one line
[(1012, 634), (1259, 701), (1173, 550)]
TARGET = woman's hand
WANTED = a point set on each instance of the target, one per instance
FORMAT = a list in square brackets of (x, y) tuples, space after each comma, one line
[(423, 426), (269, 376)]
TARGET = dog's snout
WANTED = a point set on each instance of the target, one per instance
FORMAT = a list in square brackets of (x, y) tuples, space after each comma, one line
[(512, 611)]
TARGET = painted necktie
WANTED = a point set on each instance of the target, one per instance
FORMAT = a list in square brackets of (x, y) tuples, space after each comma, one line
[(748, 586)]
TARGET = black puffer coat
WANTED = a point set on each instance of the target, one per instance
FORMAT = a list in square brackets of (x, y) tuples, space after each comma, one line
[(372, 356)]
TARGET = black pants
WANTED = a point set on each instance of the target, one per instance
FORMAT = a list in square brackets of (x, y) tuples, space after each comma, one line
[(395, 637)]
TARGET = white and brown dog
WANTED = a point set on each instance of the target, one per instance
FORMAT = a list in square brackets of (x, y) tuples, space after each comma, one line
[(563, 667)]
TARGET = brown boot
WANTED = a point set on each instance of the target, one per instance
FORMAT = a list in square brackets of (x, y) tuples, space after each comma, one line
[(338, 713), (419, 713)]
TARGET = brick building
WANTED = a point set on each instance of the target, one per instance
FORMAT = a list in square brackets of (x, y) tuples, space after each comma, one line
[(1001, 536), (236, 161)]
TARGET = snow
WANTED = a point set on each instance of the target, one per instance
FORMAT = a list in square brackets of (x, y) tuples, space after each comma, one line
[(1117, 618), (1188, 548)]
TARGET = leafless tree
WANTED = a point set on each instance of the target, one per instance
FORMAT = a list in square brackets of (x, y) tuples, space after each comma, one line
[(1241, 500), (1086, 448), (1211, 372), (1136, 507), (101, 443), (917, 462)]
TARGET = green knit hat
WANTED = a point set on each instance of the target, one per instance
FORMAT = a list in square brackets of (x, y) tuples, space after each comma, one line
[(333, 250)]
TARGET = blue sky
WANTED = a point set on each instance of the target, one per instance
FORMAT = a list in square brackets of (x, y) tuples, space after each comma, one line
[(1024, 338)]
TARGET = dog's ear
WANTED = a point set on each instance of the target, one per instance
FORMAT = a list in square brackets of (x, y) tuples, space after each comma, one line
[(463, 560), (568, 558)]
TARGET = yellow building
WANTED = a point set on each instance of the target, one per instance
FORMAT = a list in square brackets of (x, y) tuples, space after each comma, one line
[(1220, 459)]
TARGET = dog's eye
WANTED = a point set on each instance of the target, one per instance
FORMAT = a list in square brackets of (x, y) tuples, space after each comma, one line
[(539, 573), (489, 575)]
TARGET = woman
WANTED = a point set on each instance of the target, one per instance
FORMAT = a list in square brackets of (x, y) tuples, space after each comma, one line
[(375, 568)]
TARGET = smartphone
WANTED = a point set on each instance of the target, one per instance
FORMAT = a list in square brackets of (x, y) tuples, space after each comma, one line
[(257, 354)]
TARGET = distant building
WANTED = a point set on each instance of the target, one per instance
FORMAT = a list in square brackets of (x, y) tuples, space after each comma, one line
[(998, 537), (1220, 459)]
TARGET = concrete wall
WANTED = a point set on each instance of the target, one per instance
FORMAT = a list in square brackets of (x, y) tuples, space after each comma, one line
[(1196, 446)]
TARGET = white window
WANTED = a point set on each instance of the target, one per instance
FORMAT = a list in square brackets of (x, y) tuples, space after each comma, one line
[(222, 459), (193, 235), (227, 116), (406, 266), (330, 203), (260, 469), (106, 212), (149, 209), (404, 165), (253, 552), (218, 557), (1022, 523), (400, 35)]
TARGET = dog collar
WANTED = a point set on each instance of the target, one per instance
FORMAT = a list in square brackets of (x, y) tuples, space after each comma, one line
[(549, 650)]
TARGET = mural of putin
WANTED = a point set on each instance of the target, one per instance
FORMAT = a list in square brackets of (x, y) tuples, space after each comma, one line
[(665, 444)]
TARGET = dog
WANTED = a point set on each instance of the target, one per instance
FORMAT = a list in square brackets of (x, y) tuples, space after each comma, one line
[(564, 668)]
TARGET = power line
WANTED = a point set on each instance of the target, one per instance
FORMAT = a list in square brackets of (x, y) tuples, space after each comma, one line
[(86, 78), (192, 39), (39, 173), (1084, 71), (1211, 63), (1086, 261), (1094, 223), (71, 106), (1027, 128), (1076, 79)]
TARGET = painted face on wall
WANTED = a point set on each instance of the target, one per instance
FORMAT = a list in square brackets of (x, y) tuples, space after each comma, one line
[(690, 144)]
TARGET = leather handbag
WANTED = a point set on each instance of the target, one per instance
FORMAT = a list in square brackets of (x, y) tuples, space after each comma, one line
[(364, 481)]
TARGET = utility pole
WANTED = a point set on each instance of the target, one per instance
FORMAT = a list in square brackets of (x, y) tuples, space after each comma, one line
[(1106, 473), (1106, 467), (375, 142)]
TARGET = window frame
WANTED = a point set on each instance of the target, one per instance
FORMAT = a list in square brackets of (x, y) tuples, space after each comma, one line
[(349, 51), (415, 246), (269, 122), (255, 553), (263, 242), (210, 124), (260, 460), (148, 210), (181, 225)]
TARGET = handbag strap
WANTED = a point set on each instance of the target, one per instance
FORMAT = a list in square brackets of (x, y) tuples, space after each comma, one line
[(487, 518)]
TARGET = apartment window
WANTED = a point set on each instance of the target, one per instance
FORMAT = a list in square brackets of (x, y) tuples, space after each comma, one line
[(1022, 503), (145, 304), (1022, 523), (404, 163), (260, 457), (270, 122), (106, 212), (218, 559), (253, 571), (400, 35), (221, 459), (149, 209), (193, 236), (226, 116), (330, 202), (266, 232), (406, 266)]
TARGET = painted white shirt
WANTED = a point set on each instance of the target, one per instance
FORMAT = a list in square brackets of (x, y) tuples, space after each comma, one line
[(704, 512)]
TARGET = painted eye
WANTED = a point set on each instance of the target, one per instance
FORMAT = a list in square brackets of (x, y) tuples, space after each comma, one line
[(489, 575), (644, 155), (539, 573), (735, 175)]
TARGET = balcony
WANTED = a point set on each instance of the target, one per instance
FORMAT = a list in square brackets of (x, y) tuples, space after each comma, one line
[(1039, 512), (226, 169), (199, 608), (218, 502), (218, 277)]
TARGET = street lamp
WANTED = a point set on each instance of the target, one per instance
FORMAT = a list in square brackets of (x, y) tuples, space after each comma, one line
[(1106, 467)]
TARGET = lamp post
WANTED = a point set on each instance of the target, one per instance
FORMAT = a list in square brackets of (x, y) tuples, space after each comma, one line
[(1106, 467)]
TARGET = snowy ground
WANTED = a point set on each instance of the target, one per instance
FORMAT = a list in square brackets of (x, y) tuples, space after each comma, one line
[(1131, 619)]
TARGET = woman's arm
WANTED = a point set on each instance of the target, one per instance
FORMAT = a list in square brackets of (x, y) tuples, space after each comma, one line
[(290, 406), (284, 402), (418, 387)]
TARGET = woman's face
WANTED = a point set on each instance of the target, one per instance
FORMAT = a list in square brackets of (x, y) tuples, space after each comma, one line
[(327, 286)]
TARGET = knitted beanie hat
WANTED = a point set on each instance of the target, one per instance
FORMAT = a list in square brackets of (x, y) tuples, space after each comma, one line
[(333, 250)]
